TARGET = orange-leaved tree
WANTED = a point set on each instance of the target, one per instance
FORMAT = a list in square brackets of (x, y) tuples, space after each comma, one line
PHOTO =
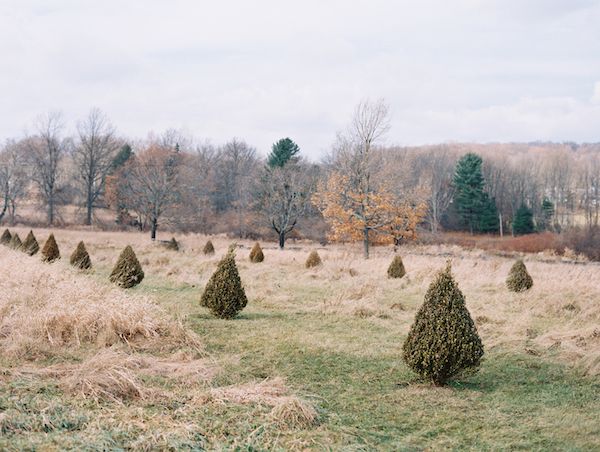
[(373, 217), (351, 200), (406, 216)]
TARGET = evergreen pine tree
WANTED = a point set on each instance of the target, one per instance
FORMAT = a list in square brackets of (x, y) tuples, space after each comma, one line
[(256, 254), (547, 215), (523, 221), (224, 294), (50, 251), (282, 152), (30, 245), (488, 221), (80, 258), (443, 341), (396, 268), (470, 200), (124, 154), (5, 238), (127, 271)]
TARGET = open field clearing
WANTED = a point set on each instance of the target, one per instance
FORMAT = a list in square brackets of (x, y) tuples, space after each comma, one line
[(313, 361)]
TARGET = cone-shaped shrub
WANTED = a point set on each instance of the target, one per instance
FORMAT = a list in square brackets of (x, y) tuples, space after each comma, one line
[(443, 341), (209, 249), (80, 258), (50, 251), (5, 238), (519, 279), (172, 244), (313, 260), (396, 268), (15, 242), (30, 245), (127, 271), (224, 294), (256, 254)]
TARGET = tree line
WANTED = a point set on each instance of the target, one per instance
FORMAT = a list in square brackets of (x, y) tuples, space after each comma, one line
[(362, 190)]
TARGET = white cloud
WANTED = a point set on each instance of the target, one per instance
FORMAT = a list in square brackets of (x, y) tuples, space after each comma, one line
[(465, 70), (596, 95)]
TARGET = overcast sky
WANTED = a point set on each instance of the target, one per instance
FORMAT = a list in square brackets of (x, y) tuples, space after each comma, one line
[(461, 70)]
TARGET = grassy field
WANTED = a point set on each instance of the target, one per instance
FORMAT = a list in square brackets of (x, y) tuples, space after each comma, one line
[(313, 362)]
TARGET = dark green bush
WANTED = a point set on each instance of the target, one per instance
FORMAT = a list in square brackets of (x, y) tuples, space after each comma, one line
[(5, 238), (396, 268), (443, 341), (313, 260), (256, 254), (519, 279), (224, 294), (50, 252), (80, 258), (209, 249), (15, 242), (30, 245), (127, 271)]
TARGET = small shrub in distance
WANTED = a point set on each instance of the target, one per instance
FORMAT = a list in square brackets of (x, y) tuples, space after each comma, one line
[(256, 254), (30, 245), (209, 249), (15, 242), (519, 279), (224, 294), (127, 271), (50, 251), (313, 260), (443, 341), (5, 238), (80, 258), (172, 244), (396, 268)]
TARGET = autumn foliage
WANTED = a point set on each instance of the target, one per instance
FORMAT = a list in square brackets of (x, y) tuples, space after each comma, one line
[(374, 216)]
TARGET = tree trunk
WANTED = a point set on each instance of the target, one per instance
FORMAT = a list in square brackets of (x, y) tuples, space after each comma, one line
[(5, 206), (88, 218), (153, 227), (366, 243), (51, 210), (281, 240)]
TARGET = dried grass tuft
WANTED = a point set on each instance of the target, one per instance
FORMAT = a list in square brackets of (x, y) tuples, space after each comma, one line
[(293, 412), (108, 375), (46, 310), (266, 392)]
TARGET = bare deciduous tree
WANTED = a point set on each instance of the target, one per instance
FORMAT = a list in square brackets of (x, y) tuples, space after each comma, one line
[(440, 170), (13, 178), (93, 156), (286, 193), (151, 184), (45, 151), (590, 196), (236, 171)]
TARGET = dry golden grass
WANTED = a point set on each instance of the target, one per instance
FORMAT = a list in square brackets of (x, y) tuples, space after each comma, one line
[(559, 315), (132, 349), (45, 310)]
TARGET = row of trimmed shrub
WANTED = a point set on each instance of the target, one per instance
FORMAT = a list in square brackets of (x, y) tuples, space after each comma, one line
[(126, 273), (442, 343)]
